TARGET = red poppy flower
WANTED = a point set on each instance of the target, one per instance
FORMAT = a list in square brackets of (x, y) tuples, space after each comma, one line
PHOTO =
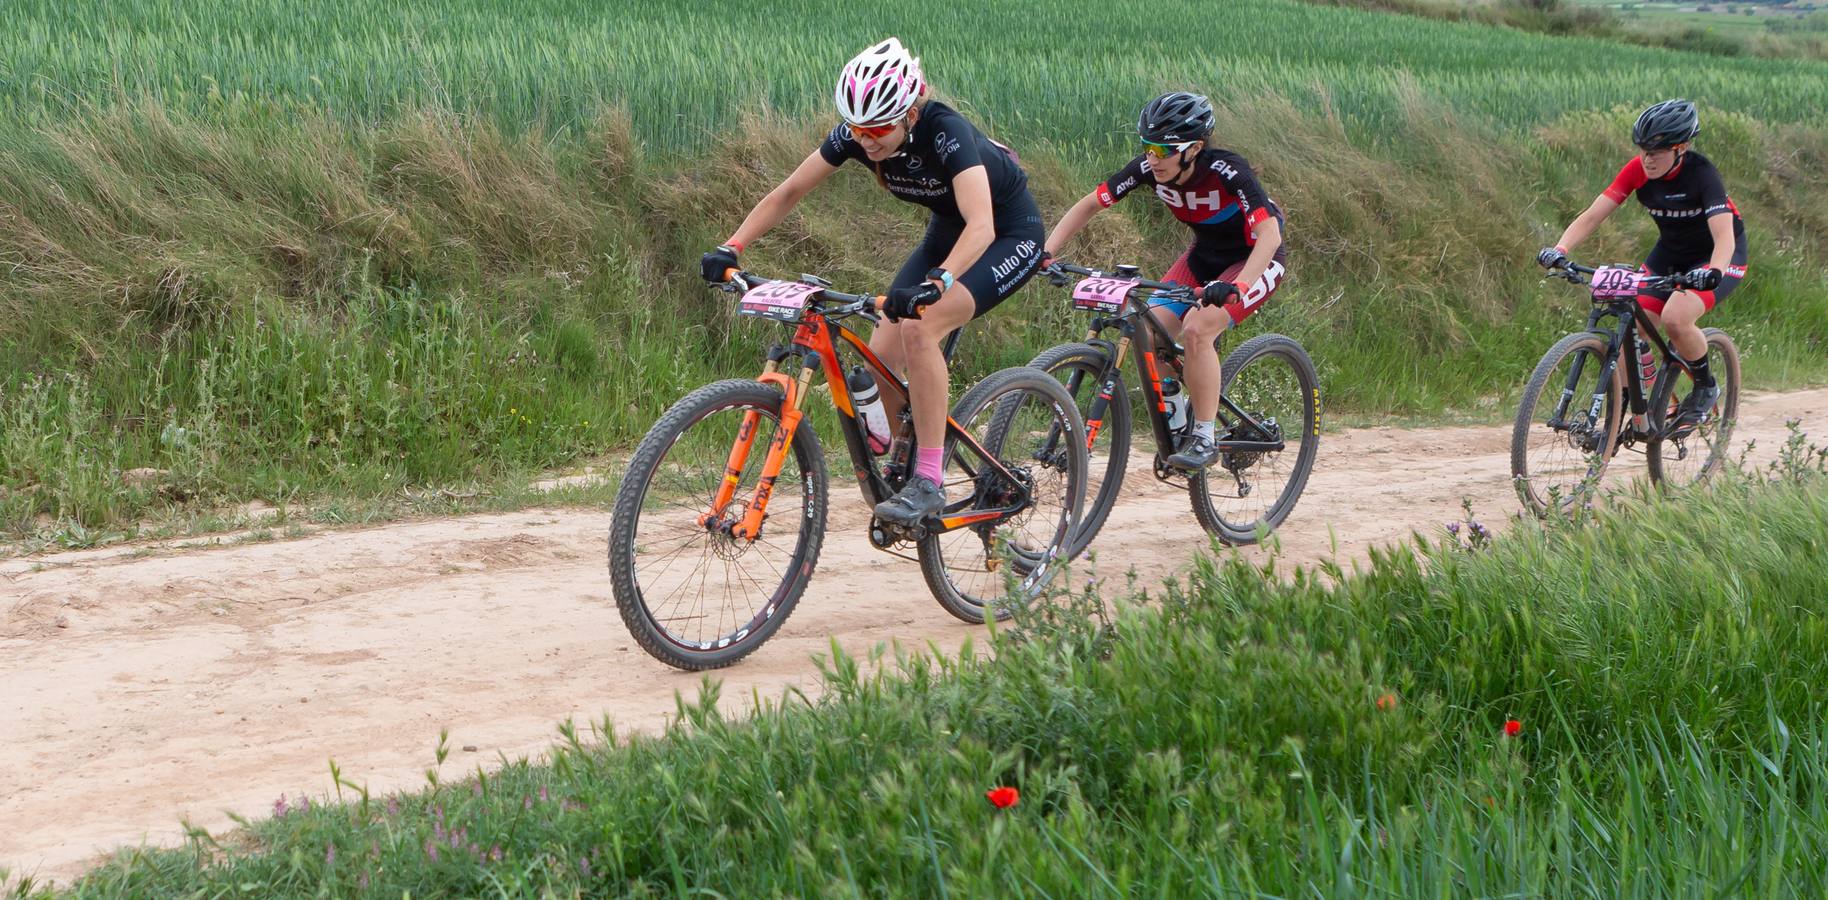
[(1003, 797), (1386, 702), (1512, 728)]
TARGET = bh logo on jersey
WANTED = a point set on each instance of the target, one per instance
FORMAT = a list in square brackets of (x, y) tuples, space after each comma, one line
[(1192, 201)]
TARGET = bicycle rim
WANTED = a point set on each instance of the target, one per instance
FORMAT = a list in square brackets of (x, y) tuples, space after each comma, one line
[(1246, 494), (1559, 442), (1011, 415), (697, 595)]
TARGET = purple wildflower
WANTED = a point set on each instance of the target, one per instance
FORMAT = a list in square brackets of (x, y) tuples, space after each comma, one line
[(304, 803), (495, 853), (361, 881), (431, 849), (1453, 528), (584, 866), (543, 797), (393, 807), (526, 803), (279, 807), (329, 854)]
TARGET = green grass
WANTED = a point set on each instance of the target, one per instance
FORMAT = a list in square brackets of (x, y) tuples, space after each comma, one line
[(1036, 69), (313, 254), (1253, 731)]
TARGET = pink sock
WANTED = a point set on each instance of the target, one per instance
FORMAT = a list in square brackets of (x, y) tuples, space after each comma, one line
[(929, 463)]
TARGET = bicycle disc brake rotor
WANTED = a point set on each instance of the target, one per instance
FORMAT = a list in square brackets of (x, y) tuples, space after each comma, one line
[(725, 545), (995, 491)]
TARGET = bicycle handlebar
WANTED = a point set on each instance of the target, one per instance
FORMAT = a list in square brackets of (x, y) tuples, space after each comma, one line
[(865, 305), (1165, 287), (1572, 273)]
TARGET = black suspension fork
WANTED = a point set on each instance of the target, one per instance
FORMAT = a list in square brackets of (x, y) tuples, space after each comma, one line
[(1568, 390)]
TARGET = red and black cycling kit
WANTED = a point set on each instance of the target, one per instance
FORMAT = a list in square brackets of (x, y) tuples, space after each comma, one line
[(1222, 202), (940, 146), (1681, 204)]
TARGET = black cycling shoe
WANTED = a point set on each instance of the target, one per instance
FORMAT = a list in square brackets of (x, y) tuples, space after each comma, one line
[(1195, 454), (1695, 406), (920, 498)]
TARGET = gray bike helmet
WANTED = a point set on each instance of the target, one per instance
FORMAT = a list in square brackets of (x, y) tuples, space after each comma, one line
[(1666, 124), (1174, 118)]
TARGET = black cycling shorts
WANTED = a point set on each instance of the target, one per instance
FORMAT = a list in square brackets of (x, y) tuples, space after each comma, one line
[(1011, 259)]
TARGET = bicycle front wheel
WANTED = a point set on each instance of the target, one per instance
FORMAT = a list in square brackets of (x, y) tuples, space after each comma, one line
[(694, 591), (1561, 439), (1685, 458), (1246, 494), (1016, 416), (1098, 392)]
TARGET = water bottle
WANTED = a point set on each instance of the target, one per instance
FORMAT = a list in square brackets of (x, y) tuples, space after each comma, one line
[(1177, 403), (1647, 364), (868, 403)]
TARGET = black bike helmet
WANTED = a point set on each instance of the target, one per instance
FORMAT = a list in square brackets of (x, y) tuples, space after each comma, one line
[(1175, 117), (1666, 124)]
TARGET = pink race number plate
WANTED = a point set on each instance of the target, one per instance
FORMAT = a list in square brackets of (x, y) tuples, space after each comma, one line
[(777, 300), (1103, 295), (1614, 283)]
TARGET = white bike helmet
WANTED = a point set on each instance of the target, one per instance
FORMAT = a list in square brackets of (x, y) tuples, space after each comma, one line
[(879, 85)]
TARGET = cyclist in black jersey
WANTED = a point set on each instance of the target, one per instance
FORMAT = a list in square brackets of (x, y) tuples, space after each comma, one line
[(1236, 259), (1699, 231), (983, 240)]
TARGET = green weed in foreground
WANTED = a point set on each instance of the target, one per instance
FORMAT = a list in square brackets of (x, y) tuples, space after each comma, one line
[(1332, 734)]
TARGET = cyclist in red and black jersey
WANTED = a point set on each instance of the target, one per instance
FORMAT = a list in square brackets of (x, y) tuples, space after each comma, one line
[(1236, 260), (983, 239), (1699, 231)]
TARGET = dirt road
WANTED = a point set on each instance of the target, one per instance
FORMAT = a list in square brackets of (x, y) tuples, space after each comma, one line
[(144, 685)]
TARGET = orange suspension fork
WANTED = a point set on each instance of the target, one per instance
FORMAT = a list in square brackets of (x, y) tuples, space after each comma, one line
[(739, 455), (751, 526)]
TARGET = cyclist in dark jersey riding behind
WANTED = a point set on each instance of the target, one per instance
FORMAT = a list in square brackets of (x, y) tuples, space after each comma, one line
[(1699, 231), (1236, 260), (982, 242)]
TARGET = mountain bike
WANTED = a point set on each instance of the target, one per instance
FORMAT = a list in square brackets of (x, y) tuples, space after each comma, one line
[(712, 543), (1589, 398), (1268, 425)]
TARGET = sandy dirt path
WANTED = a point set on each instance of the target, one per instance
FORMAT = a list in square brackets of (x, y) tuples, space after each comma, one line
[(144, 685)]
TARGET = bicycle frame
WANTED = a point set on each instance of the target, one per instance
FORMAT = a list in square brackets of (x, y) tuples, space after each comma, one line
[(815, 345), (1633, 322), (1151, 341)]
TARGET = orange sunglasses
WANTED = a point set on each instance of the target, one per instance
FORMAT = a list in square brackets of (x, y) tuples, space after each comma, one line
[(873, 132)]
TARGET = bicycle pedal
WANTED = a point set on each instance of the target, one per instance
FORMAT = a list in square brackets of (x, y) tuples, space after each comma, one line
[(1168, 474)]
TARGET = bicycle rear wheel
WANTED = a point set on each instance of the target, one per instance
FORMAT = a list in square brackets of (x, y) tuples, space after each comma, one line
[(1688, 458), (1248, 493), (693, 595), (1561, 442), (1104, 404), (1017, 416)]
